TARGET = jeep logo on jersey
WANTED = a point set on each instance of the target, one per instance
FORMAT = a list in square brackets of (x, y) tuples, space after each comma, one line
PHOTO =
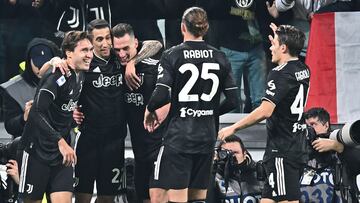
[(184, 111), (106, 81), (135, 98), (244, 3), (69, 106)]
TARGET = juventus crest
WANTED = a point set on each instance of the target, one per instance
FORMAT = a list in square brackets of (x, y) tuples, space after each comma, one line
[(244, 3)]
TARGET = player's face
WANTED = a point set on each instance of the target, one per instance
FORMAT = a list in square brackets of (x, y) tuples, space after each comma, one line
[(275, 49), (236, 149), (82, 55), (317, 125), (102, 42), (125, 48)]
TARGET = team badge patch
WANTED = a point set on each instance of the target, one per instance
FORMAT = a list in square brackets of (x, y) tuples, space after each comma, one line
[(61, 81)]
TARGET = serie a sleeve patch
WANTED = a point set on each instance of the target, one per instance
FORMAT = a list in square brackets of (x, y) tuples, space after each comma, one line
[(61, 81)]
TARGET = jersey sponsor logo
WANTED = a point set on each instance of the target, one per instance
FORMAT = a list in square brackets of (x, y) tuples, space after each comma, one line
[(136, 98), (298, 126), (69, 106), (301, 75), (271, 86), (197, 54), (184, 112), (160, 71), (61, 81), (106, 81)]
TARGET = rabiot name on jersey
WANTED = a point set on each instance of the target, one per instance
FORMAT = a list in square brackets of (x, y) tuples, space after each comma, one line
[(197, 54)]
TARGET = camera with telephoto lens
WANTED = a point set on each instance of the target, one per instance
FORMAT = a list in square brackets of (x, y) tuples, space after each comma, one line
[(8, 151), (348, 135)]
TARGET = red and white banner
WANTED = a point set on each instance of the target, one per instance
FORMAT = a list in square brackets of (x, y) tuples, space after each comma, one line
[(333, 56)]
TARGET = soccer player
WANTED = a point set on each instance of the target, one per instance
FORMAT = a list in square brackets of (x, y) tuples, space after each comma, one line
[(145, 146), (283, 107), (192, 74), (47, 158), (100, 147), (102, 118)]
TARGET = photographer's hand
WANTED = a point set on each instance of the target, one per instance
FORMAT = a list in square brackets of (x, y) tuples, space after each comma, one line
[(69, 156), (13, 171), (324, 145), (27, 109)]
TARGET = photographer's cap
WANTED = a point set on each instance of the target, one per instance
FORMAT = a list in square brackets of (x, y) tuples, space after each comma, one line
[(40, 54)]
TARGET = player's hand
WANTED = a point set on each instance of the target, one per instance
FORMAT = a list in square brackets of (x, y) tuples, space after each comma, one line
[(225, 132), (58, 63), (131, 79), (13, 171), (69, 156), (273, 27), (325, 144), (161, 113), (78, 116), (27, 109), (272, 9), (151, 122)]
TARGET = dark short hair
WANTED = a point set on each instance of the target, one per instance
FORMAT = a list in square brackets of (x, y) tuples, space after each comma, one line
[(196, 21), (292, 37), (71, 39), (97, 24), (122, 29), (318, 112), (234, 138)]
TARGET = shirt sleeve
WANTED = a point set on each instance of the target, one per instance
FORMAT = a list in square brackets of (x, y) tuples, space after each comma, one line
[(230, 91), (277, 87), (162, 92), (44, 98)]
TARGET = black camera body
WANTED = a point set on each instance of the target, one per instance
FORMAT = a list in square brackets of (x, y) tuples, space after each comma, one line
[(9, 151)]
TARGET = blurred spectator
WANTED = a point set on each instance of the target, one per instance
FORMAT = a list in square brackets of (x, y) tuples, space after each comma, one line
[(19, 23), (18, 92), (240, 39)]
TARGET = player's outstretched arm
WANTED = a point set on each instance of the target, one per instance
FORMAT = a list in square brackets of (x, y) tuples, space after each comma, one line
[(264, 111)]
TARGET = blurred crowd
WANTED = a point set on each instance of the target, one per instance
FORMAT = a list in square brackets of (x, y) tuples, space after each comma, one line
[(238, 28)]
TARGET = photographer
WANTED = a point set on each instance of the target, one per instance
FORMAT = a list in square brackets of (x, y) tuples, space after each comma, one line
[(335, 175), (235, 174)]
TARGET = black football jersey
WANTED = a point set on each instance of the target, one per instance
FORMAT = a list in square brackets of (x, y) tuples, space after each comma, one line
[(287, 88), (196, 73), (50, 117), (136, 102), (102, 99)]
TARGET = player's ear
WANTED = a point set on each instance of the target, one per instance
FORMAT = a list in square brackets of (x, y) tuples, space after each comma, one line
[(284, 48), (183, 27), (136, 42)]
